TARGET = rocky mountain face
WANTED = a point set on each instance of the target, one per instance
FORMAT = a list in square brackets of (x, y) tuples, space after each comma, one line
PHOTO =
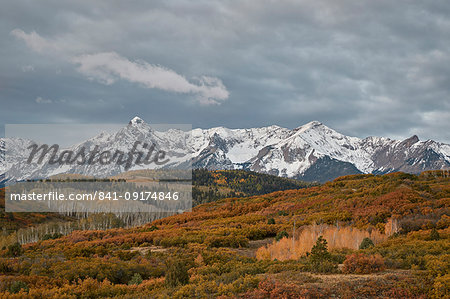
[(314, 152), (311, 152)]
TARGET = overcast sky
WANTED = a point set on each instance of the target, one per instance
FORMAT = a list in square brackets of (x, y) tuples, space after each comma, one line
[(361, 67)]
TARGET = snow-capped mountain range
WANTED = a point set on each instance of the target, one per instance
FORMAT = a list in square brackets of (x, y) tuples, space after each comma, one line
[(311, 152)]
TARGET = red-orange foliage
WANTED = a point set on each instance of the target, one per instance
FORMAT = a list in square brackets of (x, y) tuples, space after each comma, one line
[(277, 289), (359, 263), (358, 203), (337, 237)]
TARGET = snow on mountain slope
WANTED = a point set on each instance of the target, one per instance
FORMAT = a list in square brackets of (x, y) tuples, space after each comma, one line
[(308, 151)]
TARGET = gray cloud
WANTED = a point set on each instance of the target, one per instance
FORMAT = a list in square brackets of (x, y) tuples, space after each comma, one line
[(41, 100), (27, 68), (363, 68), (35, 41), (107, 67)]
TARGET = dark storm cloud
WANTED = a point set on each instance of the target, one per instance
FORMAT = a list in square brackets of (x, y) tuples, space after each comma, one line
[(361, 67)]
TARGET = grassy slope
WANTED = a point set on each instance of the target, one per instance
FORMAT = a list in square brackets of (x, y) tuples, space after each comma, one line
[(208, 186), (214, 239)]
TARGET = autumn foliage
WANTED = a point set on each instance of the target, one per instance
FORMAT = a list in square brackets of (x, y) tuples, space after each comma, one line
[(336, 236), (228, 248), (359, 263)]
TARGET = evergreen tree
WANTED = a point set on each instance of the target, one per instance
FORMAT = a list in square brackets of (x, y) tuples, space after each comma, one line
[(281, 235), (320, 259), (177, 273), (15, 249), (434, 235), (366, 243), (136, 279), (319, 252)]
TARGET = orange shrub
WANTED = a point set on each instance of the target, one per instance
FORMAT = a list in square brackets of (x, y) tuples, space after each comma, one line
[(337, 237), (359, 263)]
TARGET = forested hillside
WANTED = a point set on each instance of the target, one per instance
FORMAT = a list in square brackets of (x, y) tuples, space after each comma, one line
[(359, 236), (210, 186), (14, 221)]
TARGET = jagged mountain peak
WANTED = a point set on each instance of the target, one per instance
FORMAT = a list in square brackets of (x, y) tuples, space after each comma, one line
[(410, 141), (318, 129), (314, 123), (312, 151), (138, 126), (310, 125), (136, 120)]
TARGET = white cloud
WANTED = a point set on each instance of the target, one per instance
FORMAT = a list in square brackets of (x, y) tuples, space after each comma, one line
[(34, 41), (108, 67), (27, 68), (41, 100)]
